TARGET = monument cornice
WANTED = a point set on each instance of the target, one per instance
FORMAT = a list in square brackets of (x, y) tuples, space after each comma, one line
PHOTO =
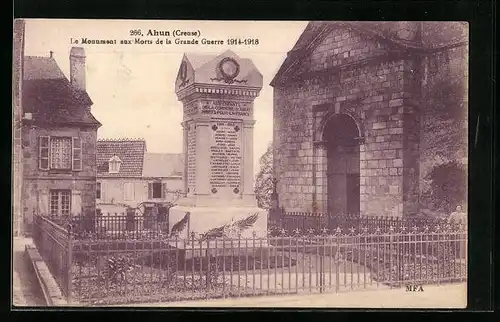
[(249, 122), (233, 90)]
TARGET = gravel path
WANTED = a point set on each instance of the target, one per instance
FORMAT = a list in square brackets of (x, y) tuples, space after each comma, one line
[(25, 288)]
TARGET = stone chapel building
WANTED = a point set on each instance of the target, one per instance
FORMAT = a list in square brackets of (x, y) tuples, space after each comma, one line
[(355, 109)]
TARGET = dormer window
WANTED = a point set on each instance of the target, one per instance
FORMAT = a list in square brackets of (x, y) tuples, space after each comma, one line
[(114, 164)]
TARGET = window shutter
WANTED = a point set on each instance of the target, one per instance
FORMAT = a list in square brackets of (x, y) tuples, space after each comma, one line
[(98, 190), (150, 190), (44, 152), (103, 192), (77, 154), (164, 190), (76, 203), (43, 203), (125, 191), (128, 191)]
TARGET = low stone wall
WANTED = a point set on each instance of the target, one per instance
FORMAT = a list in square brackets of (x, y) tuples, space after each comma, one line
[(51, 291)]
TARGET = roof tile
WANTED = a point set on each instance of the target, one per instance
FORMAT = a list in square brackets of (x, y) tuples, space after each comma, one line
[(130, 151)]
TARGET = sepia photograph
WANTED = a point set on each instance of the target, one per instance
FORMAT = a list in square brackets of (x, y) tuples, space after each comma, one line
[(170, 163)]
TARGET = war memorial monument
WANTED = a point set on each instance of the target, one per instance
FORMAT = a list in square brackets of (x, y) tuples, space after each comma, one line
[(218, 93)]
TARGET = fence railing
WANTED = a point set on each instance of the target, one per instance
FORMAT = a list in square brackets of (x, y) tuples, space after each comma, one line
[(303, 221), (114, 225), (159, 268), (54, 243)]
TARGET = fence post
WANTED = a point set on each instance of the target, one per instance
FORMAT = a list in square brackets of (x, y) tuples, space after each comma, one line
[(274, 208), (337, 263), (391, 235), (321, 264), (69, 277)]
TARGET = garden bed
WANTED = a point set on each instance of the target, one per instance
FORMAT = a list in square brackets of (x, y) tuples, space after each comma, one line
[(146, 285)]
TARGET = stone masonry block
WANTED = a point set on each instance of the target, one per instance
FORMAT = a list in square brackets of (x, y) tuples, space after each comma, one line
[(396, 145), (379, 125), (397, 130), (396, 102), (393, 189), (372, 164), (397, 163)]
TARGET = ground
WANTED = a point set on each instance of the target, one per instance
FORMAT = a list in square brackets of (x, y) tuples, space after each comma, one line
[(433, 296), (25, 288)]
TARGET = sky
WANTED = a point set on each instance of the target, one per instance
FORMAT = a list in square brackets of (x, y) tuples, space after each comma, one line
[(132, 86)]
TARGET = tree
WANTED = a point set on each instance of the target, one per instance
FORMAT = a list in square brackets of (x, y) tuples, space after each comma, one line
[(264, 180)]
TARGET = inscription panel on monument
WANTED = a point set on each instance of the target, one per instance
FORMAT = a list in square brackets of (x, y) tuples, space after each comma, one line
[(225, 158), (224, 107), (191, 157)]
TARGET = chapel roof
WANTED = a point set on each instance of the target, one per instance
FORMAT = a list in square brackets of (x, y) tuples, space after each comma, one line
[(434, 36)]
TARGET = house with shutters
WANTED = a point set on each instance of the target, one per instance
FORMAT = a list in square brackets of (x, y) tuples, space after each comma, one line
[(59, 138), (128, 176)]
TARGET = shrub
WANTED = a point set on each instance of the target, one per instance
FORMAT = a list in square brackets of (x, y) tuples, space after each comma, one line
[(263, 181), (117, 267), (448, 186)]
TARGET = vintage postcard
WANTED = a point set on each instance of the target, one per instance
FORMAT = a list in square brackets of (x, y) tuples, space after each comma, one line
[(240, 163)]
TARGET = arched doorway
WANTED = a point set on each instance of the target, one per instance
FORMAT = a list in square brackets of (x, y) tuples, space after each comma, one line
[(341, 136)]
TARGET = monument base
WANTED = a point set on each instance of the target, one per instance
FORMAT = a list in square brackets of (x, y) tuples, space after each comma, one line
[(202, 219)]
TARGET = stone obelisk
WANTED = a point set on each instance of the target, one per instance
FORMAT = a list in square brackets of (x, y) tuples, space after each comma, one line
[(218, 93)]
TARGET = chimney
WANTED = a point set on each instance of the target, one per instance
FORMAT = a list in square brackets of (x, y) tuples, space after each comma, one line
[(77, 68)]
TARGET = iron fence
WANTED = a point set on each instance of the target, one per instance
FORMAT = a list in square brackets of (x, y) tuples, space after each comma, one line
[(304, 221), (114, 225), (54, 243), (152, 268)]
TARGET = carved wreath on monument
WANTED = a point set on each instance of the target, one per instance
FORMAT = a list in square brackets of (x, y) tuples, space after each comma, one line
[(228, 68)]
